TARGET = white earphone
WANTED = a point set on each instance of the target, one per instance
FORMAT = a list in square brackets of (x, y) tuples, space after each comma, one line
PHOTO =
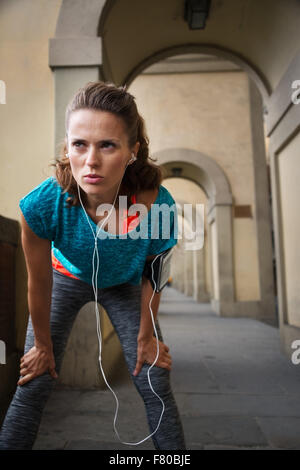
[(133, 158), (95, 289)]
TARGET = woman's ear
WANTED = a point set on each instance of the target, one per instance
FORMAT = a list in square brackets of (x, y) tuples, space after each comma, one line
[(136, 148)]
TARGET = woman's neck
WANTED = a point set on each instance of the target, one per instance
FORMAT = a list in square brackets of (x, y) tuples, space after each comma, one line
[(92, 202)]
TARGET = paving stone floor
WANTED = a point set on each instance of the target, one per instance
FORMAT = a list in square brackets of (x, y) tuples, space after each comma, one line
[(233, 386)]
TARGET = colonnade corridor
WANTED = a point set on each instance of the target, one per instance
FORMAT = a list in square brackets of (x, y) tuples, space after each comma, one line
[(233, 386)]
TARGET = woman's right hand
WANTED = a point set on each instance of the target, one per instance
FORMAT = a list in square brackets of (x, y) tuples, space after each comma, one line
[(35, 362)]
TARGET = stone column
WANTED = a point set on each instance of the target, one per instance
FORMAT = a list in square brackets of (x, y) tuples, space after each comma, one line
[(74, 61), (189, 257), (200, 293), (223, 298)]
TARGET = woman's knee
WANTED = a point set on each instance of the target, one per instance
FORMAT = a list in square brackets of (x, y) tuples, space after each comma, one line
[(159, 380), (35, 391)]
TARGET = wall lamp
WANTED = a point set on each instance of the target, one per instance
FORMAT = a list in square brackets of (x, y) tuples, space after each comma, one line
[(196, 13), (176, 171)]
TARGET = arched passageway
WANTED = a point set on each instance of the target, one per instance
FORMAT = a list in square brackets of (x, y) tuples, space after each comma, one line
[(87, 47), (206, 173)]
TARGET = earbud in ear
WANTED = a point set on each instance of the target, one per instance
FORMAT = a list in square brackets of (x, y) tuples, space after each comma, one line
[(67, 155), (132, 159)]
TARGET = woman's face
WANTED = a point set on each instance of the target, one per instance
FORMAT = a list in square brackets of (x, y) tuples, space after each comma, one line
[(98, 144)]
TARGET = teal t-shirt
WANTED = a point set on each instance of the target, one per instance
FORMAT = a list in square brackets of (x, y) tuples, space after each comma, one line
[(121, 256)]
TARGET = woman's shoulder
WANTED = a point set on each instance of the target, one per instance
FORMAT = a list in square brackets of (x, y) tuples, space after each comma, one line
[(38, 207), (44, 195), (50, 184)]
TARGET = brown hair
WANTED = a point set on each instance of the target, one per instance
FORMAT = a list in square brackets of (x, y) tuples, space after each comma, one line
[(142, 174)]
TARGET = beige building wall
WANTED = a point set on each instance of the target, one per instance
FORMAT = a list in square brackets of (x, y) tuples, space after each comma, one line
[(209, 112), (27, 118), (26, 136)]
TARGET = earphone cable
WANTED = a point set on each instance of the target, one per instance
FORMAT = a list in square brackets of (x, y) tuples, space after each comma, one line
[(95, 289)]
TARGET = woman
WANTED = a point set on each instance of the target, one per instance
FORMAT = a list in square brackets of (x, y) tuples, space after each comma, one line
[(105, 154)]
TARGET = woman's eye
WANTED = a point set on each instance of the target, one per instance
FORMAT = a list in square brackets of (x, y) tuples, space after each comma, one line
[(104, 145), (77, 144), (108, 144)]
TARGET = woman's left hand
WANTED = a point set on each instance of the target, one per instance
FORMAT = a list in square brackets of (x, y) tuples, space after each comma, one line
[(146, 352)]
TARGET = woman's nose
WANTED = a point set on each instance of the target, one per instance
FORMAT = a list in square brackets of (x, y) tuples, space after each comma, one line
[(92, 155)]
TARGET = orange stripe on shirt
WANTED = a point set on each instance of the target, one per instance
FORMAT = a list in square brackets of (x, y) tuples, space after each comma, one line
[(59, 267), (131, 221)]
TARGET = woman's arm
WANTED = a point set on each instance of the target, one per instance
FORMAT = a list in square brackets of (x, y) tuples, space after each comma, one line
[(147, 344), (146, 326), (37, 253)]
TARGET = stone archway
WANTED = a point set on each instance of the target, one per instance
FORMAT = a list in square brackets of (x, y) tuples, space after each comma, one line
[(205, 172), (77, 55), (202, 49)]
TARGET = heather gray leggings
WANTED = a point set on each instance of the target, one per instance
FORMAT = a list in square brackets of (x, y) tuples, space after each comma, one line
[(122, 304)]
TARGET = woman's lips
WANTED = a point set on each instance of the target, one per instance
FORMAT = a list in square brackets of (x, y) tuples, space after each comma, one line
[(93, 179)]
